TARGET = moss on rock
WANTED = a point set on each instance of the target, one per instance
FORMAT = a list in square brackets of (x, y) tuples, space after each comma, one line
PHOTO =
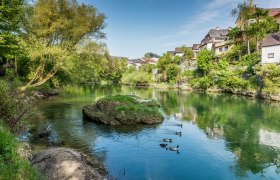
[(123, 109)]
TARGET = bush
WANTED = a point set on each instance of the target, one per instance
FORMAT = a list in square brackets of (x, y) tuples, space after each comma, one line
[(172, 72), (268, 77), (14, 162), (138, 78), (205, 59), (202, 82), (230, 81), (13, 107)]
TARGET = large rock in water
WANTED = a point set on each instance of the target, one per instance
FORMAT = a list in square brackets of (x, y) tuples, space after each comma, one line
[(63, 163), (123, 109)]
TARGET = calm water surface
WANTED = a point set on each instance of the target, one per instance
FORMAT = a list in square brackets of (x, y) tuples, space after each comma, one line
[(223, 136)]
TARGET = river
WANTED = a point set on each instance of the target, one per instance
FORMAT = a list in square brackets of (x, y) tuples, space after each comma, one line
[(223, 136)]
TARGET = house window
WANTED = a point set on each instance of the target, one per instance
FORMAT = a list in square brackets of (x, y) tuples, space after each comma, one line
[(226, 48), (270, 55), (220, 49)]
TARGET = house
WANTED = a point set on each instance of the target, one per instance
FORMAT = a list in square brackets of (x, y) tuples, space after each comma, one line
[(275, 12), (213, 36), (195, 50), (240, 23), (222, 47), (172, 53), (179, 51), (271, 49), (135, 62), (152, 61)]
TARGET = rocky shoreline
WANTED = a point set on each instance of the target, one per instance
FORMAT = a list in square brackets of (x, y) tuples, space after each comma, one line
[(65, 163), (248, 93)]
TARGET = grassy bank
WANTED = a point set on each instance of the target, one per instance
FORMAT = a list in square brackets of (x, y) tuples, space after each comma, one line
[(14, 163)]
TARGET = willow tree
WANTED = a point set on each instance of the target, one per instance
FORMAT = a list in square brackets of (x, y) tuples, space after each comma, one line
[(52, 30)]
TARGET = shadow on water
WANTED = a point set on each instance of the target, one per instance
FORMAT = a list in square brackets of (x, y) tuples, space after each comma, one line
[(239, 135)]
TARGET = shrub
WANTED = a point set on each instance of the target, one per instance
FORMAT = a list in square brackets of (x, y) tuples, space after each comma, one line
[(202, 82), (172, 72), (205, 59), (138, 78), (268, 77), (13, 107)]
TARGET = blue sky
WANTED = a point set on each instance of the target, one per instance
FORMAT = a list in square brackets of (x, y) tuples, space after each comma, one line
[(135, 27)]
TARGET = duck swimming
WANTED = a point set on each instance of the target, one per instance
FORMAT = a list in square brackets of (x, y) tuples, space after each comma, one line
[(163, 145), (167, 140), (179, 133), (174, 148), (181, 125)]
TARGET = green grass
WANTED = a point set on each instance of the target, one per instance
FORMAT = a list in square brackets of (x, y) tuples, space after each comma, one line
[(13, 161), (131, 104)]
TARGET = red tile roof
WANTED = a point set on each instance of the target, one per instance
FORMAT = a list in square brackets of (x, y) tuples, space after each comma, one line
[(273, 11), (271, 40)]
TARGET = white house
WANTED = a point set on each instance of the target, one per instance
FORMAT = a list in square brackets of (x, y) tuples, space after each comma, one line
[(271, 49)]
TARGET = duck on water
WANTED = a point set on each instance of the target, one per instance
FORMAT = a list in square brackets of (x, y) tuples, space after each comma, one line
[(167, 140), (174, 148)]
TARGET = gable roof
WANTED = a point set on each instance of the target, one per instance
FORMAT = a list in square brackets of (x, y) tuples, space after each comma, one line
[(271, 40), (273, 12), (215, 33), (195, 46), (134, 60)]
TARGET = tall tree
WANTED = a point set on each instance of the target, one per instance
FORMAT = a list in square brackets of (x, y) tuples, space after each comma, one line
[(11, 12), (54, 28)]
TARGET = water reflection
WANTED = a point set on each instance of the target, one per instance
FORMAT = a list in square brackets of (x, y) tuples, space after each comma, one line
[(248, 129)]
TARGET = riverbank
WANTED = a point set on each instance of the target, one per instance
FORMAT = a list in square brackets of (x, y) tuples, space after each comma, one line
[(268, 96)]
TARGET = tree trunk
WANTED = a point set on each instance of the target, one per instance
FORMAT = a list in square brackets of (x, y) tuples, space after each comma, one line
[(37, 74), (50, 75), (248, 44)]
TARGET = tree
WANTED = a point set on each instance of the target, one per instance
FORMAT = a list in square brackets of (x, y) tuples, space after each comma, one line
[(90, 63), (263, 26), (116, 68), (187, 53), (163, 62), (151, 55), (244, 12), (11, 12), (172, 72), (54, 28), (205, 59)]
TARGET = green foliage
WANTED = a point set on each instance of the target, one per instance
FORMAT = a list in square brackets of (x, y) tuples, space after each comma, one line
[(205, 59), (14, 156), (147, 68), (229, 81), (138, 78), (268, 77), (169, 67), (13, 107), (63, 23), (132, 105), (11, 13), (115, 70), (202, 82), (52, 31), (151, 55), (89, 64), (164, 61), (172, 72)]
